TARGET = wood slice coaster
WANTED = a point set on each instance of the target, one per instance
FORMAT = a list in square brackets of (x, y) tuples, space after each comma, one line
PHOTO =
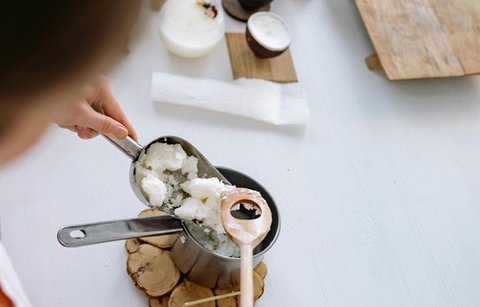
[(152, 270), (245, 64), (423, 39), (235, 9)]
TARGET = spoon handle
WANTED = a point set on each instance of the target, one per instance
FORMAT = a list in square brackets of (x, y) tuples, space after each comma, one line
[(246, 273), (93, 233), (128, 146)]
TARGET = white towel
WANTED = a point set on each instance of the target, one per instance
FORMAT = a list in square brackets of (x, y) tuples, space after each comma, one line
[(279, 104)]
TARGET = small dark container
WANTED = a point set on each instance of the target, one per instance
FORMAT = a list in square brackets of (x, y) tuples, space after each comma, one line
[(257, 47), (251, 5)]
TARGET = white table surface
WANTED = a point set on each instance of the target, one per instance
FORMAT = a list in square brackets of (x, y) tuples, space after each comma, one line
[(379, 195)]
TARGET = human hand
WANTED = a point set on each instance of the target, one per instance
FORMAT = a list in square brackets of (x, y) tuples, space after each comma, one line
[(96, 111)]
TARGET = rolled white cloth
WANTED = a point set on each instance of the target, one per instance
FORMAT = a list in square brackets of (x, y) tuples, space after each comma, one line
[(10, 282), (279, 104)]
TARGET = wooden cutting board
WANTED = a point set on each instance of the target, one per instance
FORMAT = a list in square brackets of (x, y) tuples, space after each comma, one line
[(423, 38), (246, 65)]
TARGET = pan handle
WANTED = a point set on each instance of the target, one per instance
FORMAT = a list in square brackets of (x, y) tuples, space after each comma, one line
[(86, 234), (127, 145)]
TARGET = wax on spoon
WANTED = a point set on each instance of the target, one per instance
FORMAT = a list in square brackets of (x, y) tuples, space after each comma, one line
[(134, 150)]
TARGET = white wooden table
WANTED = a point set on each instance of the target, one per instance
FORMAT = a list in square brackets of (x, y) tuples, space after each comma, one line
[(379, 195)]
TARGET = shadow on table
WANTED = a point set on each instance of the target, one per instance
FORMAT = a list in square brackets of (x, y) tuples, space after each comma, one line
[(450, 99)]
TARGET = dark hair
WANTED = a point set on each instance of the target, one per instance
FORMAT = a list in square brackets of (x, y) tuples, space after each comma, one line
[(43, 41)]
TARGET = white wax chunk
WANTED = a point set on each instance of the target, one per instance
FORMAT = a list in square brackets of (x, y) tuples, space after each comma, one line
[(201, 188), (269, 30), (155, 189), (205, 203), (194, 209), (165, 157), (190, 167)]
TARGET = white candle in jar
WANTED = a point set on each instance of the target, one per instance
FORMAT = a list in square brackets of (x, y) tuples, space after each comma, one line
[(270, 30), (191, 28)]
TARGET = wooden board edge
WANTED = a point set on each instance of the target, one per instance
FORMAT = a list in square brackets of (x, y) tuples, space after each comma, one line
[(366, 19), (230, 34)]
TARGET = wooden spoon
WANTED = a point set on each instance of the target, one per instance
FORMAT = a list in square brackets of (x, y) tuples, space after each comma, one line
[(246, 234)]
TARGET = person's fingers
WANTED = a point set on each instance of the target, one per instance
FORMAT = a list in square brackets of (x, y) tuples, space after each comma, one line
[(83, 132), (111, 107), (104, 124), (86, 133), (114, 110), (69, 127), (122, 119)]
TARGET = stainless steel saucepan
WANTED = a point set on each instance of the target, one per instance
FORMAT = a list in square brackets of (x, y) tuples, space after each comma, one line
[(198, 263)]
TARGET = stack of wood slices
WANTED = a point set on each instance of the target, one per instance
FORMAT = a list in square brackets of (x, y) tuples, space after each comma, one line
[(153, 271)]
